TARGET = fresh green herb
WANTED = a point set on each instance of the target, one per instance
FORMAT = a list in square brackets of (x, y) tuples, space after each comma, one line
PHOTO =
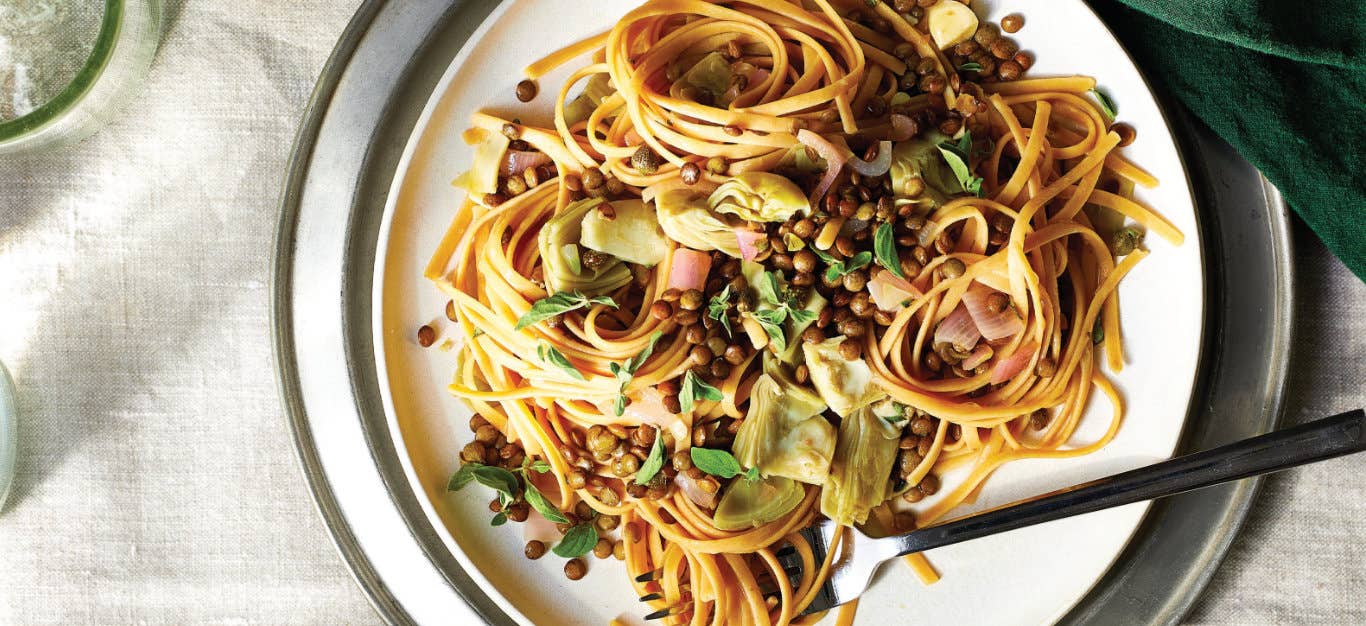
[(772, 323), (957, 156), (1106, 104), (752, 474), (561, 302), (716, 309), (538, 466), (872, 4), (537, 500), (837, 269), (550, 356), (495, 478), (578, 541), (970, 66), (654, 462), (695, 389), (768, 288), (625, 373), (716, 462), (477, 332), (884, 244), (1097, 332)]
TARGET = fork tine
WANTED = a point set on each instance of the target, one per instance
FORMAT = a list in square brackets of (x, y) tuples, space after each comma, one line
[(649, 576), (665, 612), (651, 597)]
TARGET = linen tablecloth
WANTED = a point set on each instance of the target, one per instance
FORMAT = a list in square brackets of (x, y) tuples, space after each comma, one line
[(157, 481)]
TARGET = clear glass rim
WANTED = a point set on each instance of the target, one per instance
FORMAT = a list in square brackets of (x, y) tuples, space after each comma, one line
[(95, 64)]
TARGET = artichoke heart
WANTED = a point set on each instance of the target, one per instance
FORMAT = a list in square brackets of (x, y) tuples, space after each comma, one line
[(846, 385), (482, 177), (753, 503), (784, 434), (560, 273), (760, 197), (859, 474), (921, 157), (686, 219), (631, 233)]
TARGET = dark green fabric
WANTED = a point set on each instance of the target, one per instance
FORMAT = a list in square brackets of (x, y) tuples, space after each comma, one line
[(1283, 81)]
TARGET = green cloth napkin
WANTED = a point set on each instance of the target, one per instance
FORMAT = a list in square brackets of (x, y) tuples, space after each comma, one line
[(1283, 81)]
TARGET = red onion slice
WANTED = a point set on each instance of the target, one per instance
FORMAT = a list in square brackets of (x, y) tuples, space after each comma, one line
[(749, 242), (689, 269), (958, 329), (518, 161), (1008, 367), (876, 167), (835, 158), (890, 292), (993, 326), (699, 496)]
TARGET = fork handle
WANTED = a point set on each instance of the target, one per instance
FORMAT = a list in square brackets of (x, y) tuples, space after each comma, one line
[(1319, 440)]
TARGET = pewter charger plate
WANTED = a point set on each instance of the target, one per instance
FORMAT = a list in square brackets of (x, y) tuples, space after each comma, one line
[(366, 105)]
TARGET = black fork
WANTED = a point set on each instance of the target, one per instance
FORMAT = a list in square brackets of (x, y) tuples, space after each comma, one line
[(860, 556)]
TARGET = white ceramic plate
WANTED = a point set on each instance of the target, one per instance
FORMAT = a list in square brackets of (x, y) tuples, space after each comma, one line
[(1028, 576)]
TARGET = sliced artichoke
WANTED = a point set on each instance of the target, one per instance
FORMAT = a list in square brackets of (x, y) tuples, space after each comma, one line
[(759, 197), (482, 177), (921, 157), (846, 385), (631, 234), (598, 87), (753, 503), (560, 273), (859, 474), (686, 219), (784, 434), (706, 82)]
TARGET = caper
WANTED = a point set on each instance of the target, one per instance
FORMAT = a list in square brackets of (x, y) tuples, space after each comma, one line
[(691, 300), (997, 302), (645, 160), (1125, 241)]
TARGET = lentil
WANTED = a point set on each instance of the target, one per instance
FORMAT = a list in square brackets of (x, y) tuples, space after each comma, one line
[(575, 569), (526, 91)]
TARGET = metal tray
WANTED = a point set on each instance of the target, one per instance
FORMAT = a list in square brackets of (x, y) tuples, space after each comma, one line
[(361, 114)]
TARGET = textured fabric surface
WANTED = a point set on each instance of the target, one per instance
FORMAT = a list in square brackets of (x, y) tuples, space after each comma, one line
[(157, 482), (1282, 81)]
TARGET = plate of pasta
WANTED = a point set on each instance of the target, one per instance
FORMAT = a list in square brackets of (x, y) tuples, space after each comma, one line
[(660, 283)]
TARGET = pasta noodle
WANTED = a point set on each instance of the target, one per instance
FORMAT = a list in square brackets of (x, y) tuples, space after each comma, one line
[(842, 185)]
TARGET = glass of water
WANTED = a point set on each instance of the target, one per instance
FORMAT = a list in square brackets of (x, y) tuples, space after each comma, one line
[(68, 66)]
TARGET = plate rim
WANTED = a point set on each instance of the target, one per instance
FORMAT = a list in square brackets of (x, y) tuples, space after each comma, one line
[(287, 365)]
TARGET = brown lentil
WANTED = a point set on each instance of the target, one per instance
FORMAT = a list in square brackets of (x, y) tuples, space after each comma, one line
[(575, 569), (426, 336), (1009, 70), (686, 318), (1046, 368), (735, 354), (929, 485), (526, 90), (1012, 23), (700, 355), (851, 349), (690, 173), (661, 310)]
